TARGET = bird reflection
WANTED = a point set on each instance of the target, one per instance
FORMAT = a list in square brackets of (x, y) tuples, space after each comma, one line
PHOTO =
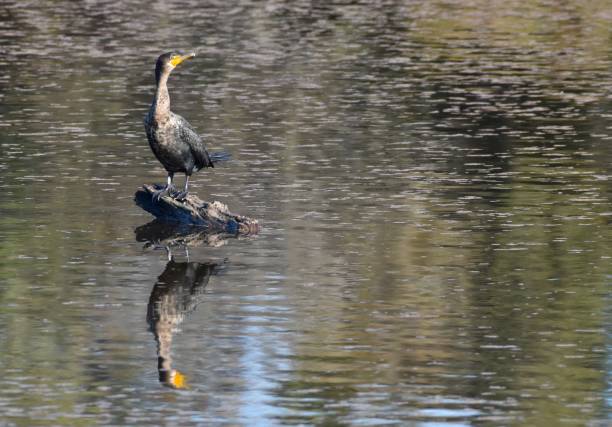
[(177, 292)]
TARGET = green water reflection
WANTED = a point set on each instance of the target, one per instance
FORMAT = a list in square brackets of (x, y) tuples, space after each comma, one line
[(434, 183)]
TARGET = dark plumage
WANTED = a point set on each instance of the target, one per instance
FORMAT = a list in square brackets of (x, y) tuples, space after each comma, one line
[(173, 140)]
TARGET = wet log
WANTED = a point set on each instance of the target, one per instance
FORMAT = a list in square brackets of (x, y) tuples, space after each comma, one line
[(212, 216)]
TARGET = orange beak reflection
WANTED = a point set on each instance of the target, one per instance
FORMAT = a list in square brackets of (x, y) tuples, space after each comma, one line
[(173, 379)]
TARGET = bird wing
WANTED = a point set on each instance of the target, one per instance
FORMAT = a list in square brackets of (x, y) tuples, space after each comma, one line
[(188, 135)]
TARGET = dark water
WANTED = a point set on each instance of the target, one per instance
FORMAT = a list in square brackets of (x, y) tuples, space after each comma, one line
[(434, 183)]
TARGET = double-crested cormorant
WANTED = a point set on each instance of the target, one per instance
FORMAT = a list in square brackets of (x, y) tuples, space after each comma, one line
[(174, 142)]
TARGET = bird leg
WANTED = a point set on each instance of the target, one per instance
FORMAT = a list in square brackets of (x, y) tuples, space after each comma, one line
[(183, 194), (168, 189)]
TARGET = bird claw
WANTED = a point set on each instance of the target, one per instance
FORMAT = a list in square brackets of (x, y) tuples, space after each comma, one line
[(180, 196), (157, 195)]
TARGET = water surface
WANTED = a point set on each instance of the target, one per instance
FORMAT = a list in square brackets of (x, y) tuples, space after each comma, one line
[(433, 182)]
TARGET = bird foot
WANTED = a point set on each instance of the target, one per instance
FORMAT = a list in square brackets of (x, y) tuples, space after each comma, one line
[(180, 196), (167, 190)]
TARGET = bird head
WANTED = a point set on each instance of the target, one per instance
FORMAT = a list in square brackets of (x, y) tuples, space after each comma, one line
[(168, 62)]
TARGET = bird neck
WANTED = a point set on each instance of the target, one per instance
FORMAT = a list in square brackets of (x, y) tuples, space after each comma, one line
[(161, 103)]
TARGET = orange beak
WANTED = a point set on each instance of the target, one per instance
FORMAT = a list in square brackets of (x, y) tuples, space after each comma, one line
[(179, 59)]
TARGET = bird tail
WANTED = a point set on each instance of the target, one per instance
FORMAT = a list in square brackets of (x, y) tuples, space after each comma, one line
[(220, 156)]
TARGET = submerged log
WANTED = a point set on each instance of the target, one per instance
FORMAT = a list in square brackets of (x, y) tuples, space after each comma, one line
[(212, 216)]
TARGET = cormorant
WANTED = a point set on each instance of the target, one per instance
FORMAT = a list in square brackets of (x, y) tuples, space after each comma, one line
[(173, 140)]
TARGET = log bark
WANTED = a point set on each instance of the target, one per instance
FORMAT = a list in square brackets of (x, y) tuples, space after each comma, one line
[(212, 216)]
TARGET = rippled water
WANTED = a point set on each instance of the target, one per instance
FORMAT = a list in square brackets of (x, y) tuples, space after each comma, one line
[(433, 180)]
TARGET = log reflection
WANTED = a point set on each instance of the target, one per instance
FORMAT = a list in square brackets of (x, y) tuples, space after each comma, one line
[(160, 234)]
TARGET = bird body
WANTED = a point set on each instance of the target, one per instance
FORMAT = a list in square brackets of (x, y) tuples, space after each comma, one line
[(173, 140), (176, 144)]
